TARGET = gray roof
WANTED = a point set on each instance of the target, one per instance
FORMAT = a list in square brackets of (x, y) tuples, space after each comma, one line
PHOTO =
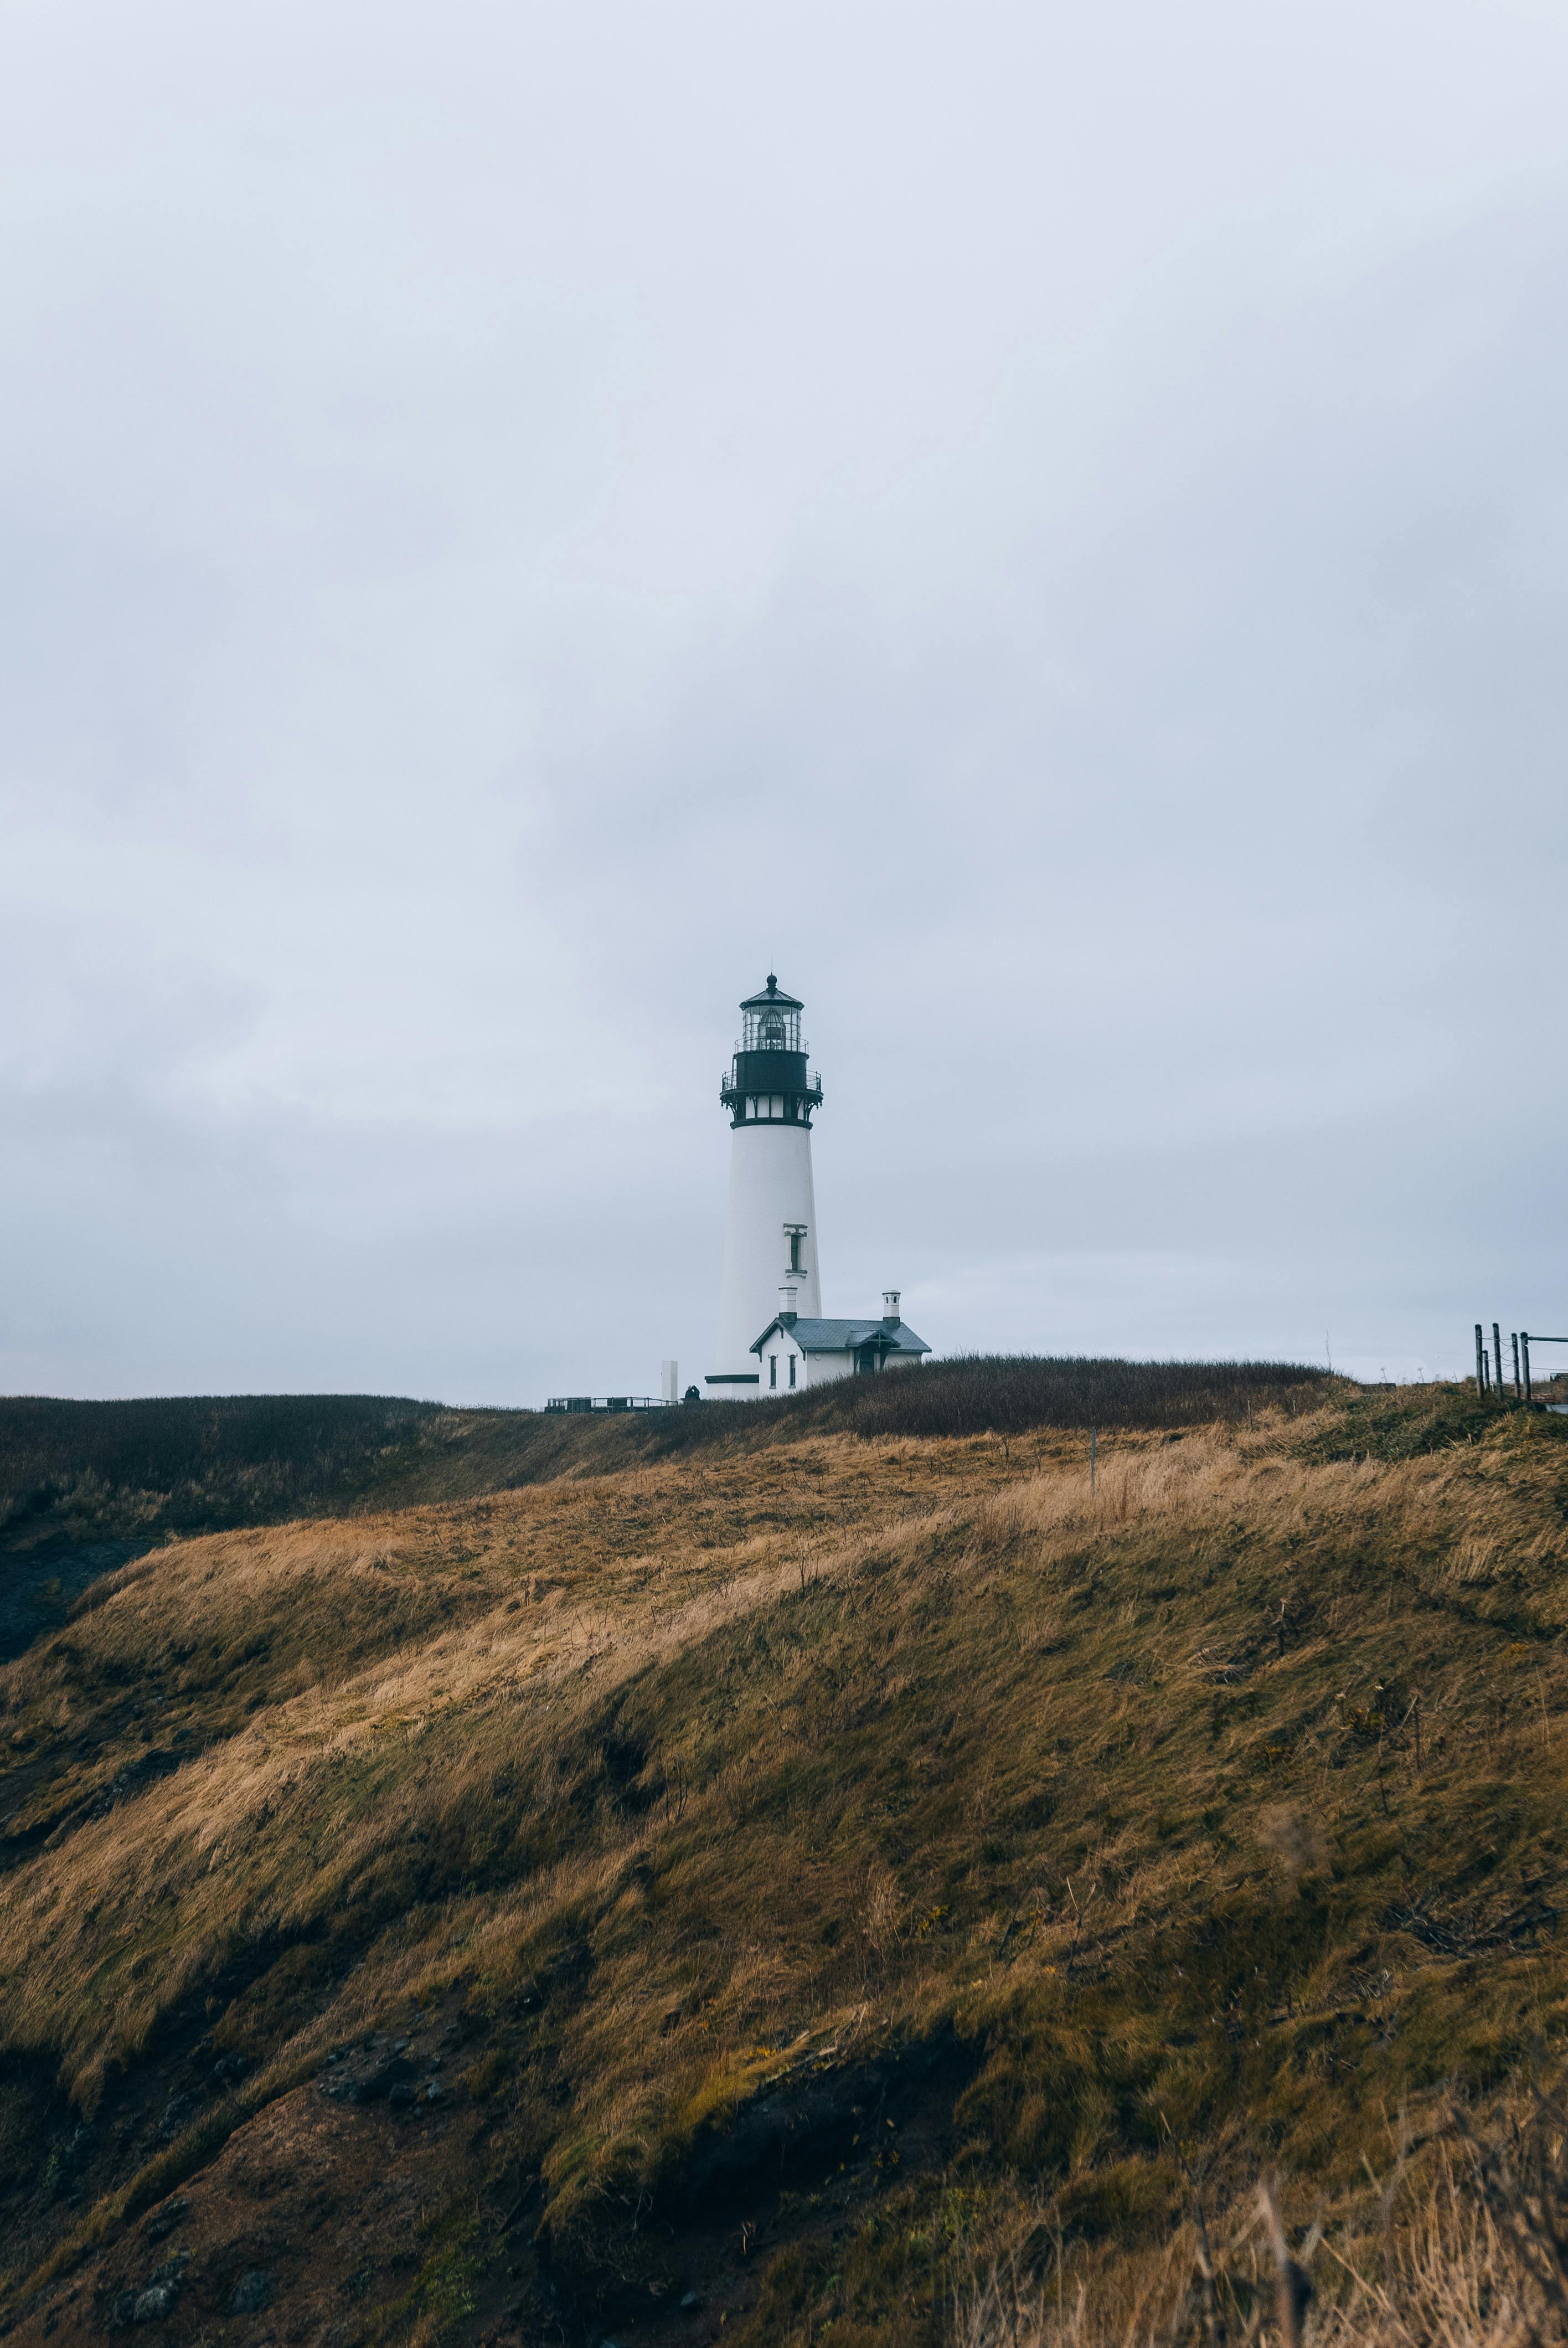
[(843, 1336)]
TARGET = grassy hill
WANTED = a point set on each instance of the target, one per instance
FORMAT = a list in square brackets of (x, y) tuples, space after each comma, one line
[(820, 1865), (88, 1486), (202, 1463)]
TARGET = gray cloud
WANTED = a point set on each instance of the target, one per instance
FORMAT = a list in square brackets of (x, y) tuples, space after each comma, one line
[(1051, 528)]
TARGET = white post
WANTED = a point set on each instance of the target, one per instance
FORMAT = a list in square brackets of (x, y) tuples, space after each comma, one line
[(670, 1386)]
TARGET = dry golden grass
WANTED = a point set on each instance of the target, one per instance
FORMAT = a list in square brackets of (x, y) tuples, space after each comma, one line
[(1466, 2249), (360, 1641), (1213, 1815)]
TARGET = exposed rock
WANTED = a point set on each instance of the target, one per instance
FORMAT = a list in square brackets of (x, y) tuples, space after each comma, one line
[(778, 2126), (68, 2155), (252, 2292), (162, 2290), (164, 2219), (364, 2079), (175, 2112)]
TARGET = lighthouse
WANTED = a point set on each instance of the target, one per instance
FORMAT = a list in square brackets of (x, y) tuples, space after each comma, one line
[(770, 1232)]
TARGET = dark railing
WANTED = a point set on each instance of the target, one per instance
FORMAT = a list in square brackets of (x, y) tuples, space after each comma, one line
[(729, 1088), (606, 1401)]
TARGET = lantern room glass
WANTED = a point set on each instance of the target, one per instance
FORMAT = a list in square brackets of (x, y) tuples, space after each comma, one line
[(772, 1029)]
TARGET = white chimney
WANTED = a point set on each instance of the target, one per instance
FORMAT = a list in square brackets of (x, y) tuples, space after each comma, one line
[(670, 1382), (787, 1295), (890, 1307)]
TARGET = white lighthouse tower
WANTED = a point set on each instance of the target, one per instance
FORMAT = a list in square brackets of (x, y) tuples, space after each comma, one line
[(770, 1236)]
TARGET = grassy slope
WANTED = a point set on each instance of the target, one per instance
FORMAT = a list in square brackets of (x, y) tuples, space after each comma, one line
[(808, 1852), (85, 1487), (202, 1463)]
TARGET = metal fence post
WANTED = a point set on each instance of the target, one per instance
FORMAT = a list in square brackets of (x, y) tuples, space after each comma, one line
[(1524, 1347), (1497, 1356)]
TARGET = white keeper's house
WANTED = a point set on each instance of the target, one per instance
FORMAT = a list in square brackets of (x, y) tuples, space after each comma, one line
[(773, 1337)]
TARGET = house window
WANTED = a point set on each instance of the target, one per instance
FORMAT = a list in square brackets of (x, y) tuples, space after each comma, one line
[(792, 1369), (773, 1369)]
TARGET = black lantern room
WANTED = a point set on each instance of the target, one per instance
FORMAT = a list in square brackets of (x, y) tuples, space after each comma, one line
[(769, 1082)]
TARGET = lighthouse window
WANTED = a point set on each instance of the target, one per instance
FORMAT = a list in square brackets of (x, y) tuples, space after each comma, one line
[(792, 1369), (773, 1369), (773, 1033)]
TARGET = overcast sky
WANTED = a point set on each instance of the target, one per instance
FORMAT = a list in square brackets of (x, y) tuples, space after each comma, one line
[(1043, 524)]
